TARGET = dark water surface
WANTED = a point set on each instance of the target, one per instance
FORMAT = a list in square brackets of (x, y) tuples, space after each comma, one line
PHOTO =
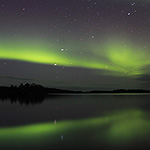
[(76, 122)]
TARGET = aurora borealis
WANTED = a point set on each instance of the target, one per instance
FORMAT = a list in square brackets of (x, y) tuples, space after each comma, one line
[(77, 44)]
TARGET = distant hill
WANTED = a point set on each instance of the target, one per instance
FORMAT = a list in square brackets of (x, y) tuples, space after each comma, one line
[(122, 91)]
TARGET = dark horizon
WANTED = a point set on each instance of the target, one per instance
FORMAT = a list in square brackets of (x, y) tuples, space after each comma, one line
[(29, 88)]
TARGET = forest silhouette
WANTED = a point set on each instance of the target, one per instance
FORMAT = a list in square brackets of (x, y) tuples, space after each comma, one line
[(35, 93)]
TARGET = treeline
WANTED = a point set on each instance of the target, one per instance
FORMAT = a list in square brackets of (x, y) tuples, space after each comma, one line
[(31, 89), (36, 90), (23, 89), (122, 91), (131, 91)]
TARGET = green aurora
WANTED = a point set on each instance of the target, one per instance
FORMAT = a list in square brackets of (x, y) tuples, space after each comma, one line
[(114, 57)]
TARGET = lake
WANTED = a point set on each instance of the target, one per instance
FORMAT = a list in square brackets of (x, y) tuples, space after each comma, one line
[(92, 122)]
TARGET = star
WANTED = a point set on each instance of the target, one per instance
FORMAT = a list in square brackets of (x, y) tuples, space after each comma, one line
[(92, 37), (129, 13)]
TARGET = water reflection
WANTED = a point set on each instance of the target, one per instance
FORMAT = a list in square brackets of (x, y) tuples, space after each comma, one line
[(77, 122), (67, 108), (27, 99), (124, 129)]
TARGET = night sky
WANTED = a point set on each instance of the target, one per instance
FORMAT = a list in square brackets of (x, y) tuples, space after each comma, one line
[(75, 44)]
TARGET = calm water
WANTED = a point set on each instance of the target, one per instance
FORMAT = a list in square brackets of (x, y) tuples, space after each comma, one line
[(76, 122)]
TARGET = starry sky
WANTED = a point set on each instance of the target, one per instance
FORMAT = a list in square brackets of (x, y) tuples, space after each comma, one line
[(75, 44)]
